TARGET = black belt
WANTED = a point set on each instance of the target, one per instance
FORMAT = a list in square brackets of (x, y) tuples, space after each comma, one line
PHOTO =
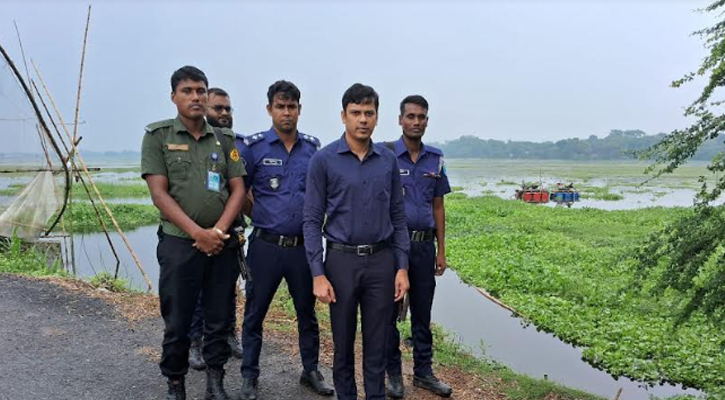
[(422, 236), (279, 240), (361, 250)]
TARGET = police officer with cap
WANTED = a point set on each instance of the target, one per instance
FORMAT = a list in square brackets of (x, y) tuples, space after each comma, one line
[(354, 183), (425, 183), (277, 161), (198, 189)]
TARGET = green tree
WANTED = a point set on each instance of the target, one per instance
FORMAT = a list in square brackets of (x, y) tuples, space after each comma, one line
[(689, 255)]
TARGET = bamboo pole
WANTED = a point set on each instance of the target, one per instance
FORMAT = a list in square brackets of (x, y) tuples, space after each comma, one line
[(44, 146), (496, 301), (90, 180), (80, 77), (619, 393)]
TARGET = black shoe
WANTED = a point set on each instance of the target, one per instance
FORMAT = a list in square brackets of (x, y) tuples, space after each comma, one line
[(177, 389), (215, 385), (433, 385), (196, 361), (249, 389), (316, 382), (395, 388), (234, 344)]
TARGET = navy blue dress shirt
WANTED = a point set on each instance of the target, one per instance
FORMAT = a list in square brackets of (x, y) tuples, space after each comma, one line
[(422, 182), (277, 179), (362, 200)]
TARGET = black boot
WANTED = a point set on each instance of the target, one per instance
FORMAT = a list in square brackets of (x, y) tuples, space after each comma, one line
[(433, 385), (215, 385), (234, 344), (395, 388), (196, 361), (177, 389), (249, 389), (316, 382)]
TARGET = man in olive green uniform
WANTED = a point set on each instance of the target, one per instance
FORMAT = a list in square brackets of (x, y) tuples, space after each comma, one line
[(197, 187)]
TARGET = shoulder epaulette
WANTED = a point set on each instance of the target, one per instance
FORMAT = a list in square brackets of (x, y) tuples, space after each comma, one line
[(434, 150), (252, 139), (150, 128), (315, 141)]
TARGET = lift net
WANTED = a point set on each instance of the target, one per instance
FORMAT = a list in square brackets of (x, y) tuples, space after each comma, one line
[(28, 214)]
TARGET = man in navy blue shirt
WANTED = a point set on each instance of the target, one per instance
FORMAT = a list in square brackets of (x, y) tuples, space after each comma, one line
[(277, 161), (354, 184), (424, 184)]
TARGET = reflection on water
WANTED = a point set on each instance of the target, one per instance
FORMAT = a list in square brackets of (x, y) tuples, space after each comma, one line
[(458, 307)]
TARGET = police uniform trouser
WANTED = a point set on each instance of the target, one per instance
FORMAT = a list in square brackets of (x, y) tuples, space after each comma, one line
[(367, 281), (184, 272), (421, 273), (270, 263)]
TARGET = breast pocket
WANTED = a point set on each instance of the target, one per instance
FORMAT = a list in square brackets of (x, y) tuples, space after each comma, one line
[(178, 164), (428, 187)]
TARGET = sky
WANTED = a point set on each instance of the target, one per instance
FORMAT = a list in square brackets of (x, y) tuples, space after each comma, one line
[(520, 70)]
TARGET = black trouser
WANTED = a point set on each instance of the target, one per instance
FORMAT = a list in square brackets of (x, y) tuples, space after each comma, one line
[(368, 282), (197, 320), (269, 264), (184, 272), (421, 273)]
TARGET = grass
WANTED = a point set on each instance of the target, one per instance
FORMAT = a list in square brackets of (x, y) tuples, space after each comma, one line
[(128, 216), (18, 257), (599, 193), (105, 280), (570, 272), (108, 190)]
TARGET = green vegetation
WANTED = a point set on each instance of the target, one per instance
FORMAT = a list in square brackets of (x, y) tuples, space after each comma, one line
[(128, 216), (599, 193), (448, 351), (17, 257), (105, 280), (456, 188), (506, 183), (573, 272), (108, 190)]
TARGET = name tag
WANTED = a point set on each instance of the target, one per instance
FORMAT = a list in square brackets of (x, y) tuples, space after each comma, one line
[(213, 181), (274, 162), (177, 147), (404, 172)]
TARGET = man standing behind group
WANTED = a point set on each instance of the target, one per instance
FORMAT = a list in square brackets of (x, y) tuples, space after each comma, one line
[(425, 183), (277, 162), (199, 191), (218, 115), (356, 185)]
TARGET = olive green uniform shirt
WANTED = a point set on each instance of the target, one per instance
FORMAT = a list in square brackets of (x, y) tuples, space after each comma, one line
[(170, 150)]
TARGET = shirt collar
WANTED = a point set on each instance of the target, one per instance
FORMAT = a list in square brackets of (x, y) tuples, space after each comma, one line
[(400, 148), (271, 136), (180, 127), (342, 147)]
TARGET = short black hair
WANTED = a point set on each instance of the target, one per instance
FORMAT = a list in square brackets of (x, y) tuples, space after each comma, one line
[(413, 99), (360, 94), (287, 90), (187, 72), (218, 92)]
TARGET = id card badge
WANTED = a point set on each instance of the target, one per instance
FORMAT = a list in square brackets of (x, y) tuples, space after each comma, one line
[(213, 181)]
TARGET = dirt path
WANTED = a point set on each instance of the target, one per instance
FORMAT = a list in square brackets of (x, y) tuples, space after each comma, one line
[(60, 344)]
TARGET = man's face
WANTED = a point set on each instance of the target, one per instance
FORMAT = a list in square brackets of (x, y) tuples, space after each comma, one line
[(219, 111), (414, 121), (360, 120), (285, 113), (190, 99)]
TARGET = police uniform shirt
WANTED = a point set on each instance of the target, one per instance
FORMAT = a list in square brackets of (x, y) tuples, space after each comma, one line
[(169, 149), (363, 202), (277, 179), (423, 181)]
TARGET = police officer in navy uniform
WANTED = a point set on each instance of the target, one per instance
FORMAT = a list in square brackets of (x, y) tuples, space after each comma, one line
[(276, 162), (425, 183), (354, 191), (198, 189)]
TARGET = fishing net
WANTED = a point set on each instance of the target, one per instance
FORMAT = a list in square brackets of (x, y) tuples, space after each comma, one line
[(32, 179)]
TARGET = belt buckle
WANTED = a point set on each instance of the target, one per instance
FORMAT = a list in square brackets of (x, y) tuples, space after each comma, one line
[(364, 249), (416, 236), (285, 241)]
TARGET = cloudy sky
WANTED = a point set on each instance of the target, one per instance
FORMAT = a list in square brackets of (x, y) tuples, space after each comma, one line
[(521, 70)]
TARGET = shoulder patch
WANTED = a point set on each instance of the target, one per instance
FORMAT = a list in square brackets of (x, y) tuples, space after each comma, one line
[(315, 141), (150, 128)]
